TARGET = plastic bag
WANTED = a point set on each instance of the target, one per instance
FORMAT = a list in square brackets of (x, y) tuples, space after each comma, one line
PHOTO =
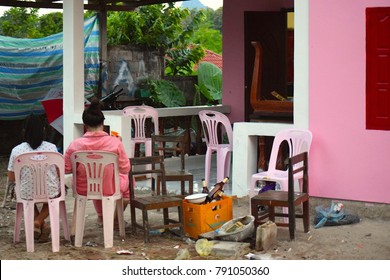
[(335, 215), (203, 247)]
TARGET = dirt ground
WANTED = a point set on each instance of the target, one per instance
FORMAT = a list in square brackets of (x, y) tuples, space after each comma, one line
[(366, 240)]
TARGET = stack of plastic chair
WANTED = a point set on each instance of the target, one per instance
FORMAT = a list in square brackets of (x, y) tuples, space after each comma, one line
[(93, 165), (139, 116), (39, 163), (299, 141), (215, 125)]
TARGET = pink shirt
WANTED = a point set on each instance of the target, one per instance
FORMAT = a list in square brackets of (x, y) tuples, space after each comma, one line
[(100, 140)]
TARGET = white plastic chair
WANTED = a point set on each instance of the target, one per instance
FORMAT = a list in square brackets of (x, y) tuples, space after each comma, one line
[(39, 163), (215, 125), (299, 141), (98, 167), (139, 115)]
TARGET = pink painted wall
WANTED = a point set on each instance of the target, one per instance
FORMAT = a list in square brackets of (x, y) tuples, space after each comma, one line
[(347, 161)]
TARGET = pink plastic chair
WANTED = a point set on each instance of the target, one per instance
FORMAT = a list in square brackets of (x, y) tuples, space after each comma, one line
[(39, 163), (215, 125), (94, 164), (139, 115), (299, 141)]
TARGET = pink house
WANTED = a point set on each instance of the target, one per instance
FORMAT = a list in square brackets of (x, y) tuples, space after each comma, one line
[(347, 160)]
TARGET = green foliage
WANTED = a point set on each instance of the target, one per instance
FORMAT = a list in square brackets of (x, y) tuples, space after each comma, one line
[(217, 19), (122, 28), (209, 82), (210, 39), (20, 23), (50, 24), (26, 23), (208, 32), (164, 93), (154, 26), (166, 28), (180, 62)]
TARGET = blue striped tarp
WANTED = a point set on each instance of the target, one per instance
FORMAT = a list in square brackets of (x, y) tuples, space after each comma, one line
[(29, 68)]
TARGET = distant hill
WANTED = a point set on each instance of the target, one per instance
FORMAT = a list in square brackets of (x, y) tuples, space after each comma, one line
[(193, 4)]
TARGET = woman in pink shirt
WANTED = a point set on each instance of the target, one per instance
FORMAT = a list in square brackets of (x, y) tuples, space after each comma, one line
[(97, 139)]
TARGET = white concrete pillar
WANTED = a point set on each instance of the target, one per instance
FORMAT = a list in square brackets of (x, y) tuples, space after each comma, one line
[(73, 44)]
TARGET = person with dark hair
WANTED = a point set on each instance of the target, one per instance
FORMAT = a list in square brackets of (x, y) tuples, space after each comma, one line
[(33, 136), (95, 138)]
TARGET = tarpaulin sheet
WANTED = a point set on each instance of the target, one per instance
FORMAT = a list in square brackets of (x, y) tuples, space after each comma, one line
[(30, 68)]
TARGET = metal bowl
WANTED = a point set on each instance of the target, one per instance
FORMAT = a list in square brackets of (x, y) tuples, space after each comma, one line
[(197, 198)]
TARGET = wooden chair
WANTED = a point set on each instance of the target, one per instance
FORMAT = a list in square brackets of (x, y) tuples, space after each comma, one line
[(152, 202), (286, 199), (169, 147), (298, 141)]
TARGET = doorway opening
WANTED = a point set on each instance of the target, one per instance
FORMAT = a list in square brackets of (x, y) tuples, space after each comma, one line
[(269, 65)]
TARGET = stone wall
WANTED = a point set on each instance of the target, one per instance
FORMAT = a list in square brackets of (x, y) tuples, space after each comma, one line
[(128, 65)]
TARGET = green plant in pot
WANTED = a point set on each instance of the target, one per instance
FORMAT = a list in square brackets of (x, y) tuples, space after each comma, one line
[(142, 92)]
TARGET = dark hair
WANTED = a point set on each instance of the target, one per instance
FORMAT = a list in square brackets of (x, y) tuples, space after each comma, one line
[(93, 115), (34, 131)]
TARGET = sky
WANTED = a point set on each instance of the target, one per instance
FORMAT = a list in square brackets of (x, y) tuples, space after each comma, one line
[(214, 4)]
